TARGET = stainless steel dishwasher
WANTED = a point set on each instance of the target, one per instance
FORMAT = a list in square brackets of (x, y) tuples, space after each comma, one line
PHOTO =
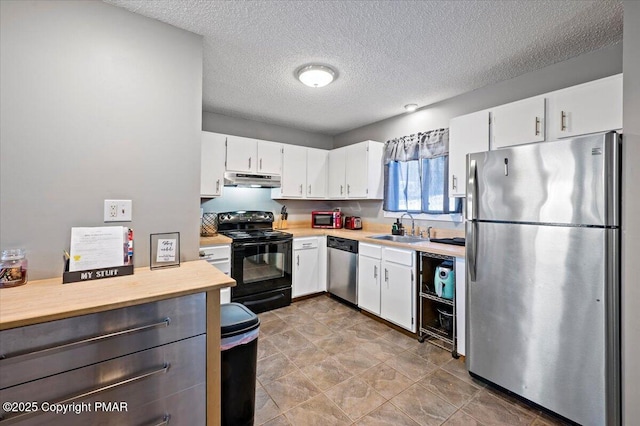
[(342, 261)]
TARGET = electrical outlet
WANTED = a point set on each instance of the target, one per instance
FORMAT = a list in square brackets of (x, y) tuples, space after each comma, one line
[(117, 210)]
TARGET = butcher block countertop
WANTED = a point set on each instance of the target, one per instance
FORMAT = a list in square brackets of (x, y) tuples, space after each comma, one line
[(363, 236), (49, 299)]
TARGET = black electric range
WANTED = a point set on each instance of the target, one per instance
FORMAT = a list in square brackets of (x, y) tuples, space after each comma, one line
[(260, 259)]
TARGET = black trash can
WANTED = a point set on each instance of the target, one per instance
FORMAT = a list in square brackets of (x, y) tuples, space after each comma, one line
[(239, 346)]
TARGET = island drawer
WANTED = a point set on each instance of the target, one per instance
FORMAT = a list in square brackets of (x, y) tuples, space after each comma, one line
[(40, 350), (139, 386)]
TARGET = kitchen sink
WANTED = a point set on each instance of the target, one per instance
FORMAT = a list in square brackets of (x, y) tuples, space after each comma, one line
[(399, 238)]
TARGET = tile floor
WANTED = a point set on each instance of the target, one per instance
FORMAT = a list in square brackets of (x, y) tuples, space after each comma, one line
[(323, 363)]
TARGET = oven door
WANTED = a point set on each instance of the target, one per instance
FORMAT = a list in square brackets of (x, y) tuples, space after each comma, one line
[(260, 267)]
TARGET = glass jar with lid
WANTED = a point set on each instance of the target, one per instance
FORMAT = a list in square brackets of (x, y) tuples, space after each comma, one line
[(13, 268)]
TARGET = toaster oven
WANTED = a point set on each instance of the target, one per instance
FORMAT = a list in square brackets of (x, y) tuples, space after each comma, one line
[(326, 219)]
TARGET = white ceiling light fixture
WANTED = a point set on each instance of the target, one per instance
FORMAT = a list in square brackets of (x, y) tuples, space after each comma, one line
[(411, 107), (316, 75)]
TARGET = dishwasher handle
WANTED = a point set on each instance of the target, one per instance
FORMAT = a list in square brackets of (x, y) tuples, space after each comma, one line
[(342, 244)]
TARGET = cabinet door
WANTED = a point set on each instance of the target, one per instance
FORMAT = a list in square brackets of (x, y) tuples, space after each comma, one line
[(241, 154), (269, 158), (337, 169), (212, 156), (317, 163), (587, 108), (460, 305), (369, 284), (518, 123), (397, 295), (356, 170), (305, 272), (467, 134), (294, 171)]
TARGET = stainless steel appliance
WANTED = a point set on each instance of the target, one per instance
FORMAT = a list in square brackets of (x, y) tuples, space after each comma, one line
[(342, 260), (260, 260), (543, 232), (326, 219)]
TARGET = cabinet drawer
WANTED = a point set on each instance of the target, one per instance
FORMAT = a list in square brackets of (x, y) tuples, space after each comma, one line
[(137, 380), (35, 351), (370, 250), (214, 253), (305, 243), (401, 257)]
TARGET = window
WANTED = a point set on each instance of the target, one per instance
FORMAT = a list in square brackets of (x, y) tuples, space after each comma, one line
[(416, 173)]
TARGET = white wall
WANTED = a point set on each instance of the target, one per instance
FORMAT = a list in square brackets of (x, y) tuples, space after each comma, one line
[(631, 216), (219, 123), (96, 102), (587, 67)]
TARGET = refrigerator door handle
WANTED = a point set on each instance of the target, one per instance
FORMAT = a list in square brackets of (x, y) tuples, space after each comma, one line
[(472, 191), (472, 248)]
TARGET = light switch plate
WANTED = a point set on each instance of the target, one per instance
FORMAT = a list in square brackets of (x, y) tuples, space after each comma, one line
[(117, 210)]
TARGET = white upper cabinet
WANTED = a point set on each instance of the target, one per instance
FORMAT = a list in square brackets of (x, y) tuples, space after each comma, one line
[(355, 171), (337, 170), (212, 164), (294, 171), (317, 166), (269, 158), (591, 107), (467, 134), (241, 154), (253, 156), (518, 122)]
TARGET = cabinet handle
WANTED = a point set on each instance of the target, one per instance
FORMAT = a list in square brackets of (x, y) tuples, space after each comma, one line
[(309, 190), (563, 121), (164, 323), (164, 421), (341, 189), (375, 271), (148, 373), (218, 185), (386, 276), (300, 189), (537, 126), (454, 185), (261, 164), (249, 163), (348, 189), (298, 260)]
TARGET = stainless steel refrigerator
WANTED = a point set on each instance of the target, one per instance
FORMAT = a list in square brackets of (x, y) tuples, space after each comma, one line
[(542, 253)]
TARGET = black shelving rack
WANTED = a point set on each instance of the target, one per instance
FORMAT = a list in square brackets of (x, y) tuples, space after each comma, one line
[(431, 328)]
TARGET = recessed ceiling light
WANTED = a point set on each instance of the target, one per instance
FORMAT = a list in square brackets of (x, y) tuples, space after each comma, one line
[(411, 107), (316, 75)]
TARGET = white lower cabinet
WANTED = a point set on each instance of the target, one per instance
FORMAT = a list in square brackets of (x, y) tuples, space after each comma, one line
[(369, 260), (220, 257), (308, 277), (391, 292)]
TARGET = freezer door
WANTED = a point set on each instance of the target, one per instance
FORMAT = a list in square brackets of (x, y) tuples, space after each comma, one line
[(573, 181), (541, 316)]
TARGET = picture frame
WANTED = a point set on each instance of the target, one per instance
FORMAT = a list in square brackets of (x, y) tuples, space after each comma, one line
[(164, 250)]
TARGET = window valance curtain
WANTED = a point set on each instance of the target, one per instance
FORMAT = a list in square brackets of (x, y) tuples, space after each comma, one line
[(416, 172), (416, 147)]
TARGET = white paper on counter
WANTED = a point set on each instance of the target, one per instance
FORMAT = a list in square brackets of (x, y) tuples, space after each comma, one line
[(97, 247), (166, 250)]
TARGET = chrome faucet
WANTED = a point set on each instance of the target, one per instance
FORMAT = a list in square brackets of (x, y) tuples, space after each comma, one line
[(413, 228), (427, 232)]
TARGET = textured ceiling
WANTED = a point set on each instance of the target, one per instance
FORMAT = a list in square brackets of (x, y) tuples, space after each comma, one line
[(386, 53)]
